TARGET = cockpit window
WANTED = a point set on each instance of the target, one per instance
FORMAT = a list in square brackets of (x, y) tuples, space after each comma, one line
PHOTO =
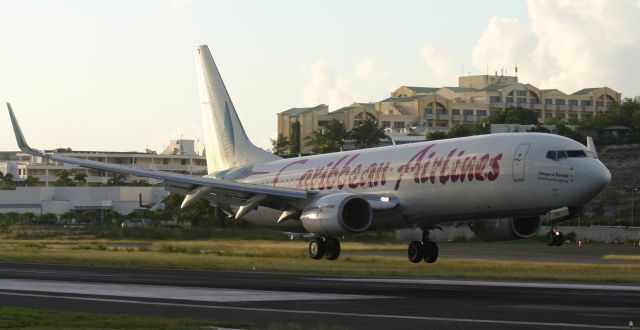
[(562, 154), (576, 153)]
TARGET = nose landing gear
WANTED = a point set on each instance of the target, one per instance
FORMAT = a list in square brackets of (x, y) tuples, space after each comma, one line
[(425, 250), (555, 237)]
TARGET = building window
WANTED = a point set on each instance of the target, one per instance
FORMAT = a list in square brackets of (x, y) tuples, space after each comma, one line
[(521, 93), (468, 112), (398, 124), (548, 101), (509, 99), (559, 115), (573, 102), (522, 100), (428, 111), (585, 102), (386, 124), (495, 99), (482, 113), (586, 116), (561, 101), (455, 112), (323, 123)]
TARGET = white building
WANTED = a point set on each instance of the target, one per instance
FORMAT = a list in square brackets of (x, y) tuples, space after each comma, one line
[(178, 157), (94, 194)]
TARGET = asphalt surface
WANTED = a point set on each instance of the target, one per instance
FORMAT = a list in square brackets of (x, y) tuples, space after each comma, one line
[(526, 250), (311, 300)]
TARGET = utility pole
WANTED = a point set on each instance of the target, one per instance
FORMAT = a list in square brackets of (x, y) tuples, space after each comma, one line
[(633, 190)]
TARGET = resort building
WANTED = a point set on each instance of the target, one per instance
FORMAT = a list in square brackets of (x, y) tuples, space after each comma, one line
[(419, 110)]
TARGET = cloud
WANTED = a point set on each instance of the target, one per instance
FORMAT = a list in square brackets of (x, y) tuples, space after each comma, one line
[(365, 83), (439, 64), (567, 45)]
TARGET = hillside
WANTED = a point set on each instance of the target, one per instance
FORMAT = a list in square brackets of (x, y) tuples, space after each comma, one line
[(613, 205)]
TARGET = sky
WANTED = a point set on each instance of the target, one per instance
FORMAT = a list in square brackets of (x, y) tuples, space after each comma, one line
[(120, 75)]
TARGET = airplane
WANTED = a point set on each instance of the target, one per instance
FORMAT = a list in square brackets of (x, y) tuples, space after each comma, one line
[(497, 184)]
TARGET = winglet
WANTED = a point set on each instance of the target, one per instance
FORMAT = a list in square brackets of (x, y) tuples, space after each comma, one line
[(591, 146), (22, 142)]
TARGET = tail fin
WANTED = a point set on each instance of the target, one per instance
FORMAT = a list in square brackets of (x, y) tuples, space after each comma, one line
[(226, 143)]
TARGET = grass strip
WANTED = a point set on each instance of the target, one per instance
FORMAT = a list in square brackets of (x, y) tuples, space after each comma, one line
[(292, 257), (26, 318), (622, 257)]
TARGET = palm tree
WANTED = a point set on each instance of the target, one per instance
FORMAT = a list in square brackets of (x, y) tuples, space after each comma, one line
[(64, 178), (328, 139), (368, 134), (117, 179), (317, 141), (31, 181)]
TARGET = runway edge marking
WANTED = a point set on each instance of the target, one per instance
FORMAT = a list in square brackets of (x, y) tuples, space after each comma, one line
[(308, 312)]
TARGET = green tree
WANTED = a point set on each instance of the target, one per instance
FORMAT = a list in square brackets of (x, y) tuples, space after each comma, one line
[(368, 134), (280, 146), (538, 128), (562, 129), (64, 178), (31, 181), (436, 135), (317, 141), (328, 139), (294, 138), (47, 219), (508, 116), (458, 131), (117, 179), (626, 113), (27, 217), (7, 179), (80, 178)]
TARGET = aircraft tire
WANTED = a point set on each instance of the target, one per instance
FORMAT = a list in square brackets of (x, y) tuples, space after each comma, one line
[(430, 252), (332, 248), (317, 248), (551, 238), (415, 251), (559, 239)]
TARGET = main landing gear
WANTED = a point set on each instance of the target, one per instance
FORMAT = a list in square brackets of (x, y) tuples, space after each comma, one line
[(327, 247), (425, 250), (554, 237)]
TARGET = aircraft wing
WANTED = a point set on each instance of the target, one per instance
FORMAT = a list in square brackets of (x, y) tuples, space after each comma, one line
[(226, 188), (220, 192)]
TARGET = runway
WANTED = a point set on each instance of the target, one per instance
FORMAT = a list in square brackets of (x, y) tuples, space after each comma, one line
[(312, 300)]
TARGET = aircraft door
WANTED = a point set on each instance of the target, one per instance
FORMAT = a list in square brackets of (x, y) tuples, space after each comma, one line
[(519, 161)]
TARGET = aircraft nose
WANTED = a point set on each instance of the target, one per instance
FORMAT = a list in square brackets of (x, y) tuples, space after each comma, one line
[(596, 179)]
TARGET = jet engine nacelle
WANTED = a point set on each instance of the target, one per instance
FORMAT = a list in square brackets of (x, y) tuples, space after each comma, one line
[(509, 229), (337, 214)]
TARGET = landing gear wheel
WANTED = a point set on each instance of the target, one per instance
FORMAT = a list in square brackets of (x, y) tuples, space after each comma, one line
[(332, 251), (430, 252), (555, 238), (317, 248), (415, 251), (551, 238), (559, 238)]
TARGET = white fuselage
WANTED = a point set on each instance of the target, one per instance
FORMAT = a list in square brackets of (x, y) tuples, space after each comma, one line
[(488, 176)]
